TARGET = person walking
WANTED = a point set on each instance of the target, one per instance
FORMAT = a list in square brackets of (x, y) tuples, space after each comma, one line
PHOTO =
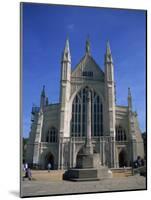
[(49, 166), (27, 174)]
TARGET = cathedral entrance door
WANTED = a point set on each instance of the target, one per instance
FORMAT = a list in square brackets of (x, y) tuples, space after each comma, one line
[(49, 159), (122, 158)]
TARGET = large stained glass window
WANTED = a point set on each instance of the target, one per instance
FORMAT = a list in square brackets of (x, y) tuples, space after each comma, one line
[(79, 114)]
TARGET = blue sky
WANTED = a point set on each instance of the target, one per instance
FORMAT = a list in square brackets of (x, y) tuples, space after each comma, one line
[(45, 28)]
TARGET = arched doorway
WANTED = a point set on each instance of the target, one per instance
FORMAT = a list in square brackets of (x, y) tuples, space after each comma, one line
[(49, 159), (122, 158)]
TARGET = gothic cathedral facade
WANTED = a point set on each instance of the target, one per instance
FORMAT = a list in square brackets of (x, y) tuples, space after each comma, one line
[(58, 131)]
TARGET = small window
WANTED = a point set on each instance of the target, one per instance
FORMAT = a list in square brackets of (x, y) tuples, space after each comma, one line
[(120, 134), (87, 73), (52, 135)]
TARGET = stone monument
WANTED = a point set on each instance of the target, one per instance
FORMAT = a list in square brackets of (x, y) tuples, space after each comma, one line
[(88, 167)]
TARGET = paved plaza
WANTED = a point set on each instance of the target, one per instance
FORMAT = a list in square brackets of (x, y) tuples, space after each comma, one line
[(35, 188)]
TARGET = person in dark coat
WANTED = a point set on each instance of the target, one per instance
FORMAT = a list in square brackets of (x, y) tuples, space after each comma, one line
[(27, 174)]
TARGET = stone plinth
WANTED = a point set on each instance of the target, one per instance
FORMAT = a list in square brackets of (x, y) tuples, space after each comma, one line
[(85, 161), (81, 174), (88, 168), (89, 174)]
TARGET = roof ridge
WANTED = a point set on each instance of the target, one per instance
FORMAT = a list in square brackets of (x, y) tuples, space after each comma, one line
[(83, 59)]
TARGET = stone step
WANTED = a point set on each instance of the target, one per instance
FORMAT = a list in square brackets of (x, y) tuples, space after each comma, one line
[(120, 172), (84, 179), (81, 174)]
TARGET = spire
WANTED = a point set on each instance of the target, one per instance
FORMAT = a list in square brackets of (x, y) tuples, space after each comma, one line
[(87, 47), (129, 99), (108, 55), (42, 98), (129, 93), (43, 91), (108, 49), (66, 53)]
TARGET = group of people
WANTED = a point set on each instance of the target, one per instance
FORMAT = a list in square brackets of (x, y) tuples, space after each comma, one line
[(139, 162)]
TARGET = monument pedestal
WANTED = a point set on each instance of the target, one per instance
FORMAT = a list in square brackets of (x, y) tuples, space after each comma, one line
[(88, 169), (81, 175)]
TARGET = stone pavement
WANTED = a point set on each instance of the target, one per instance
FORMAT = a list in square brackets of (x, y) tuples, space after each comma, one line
[(35, 188)]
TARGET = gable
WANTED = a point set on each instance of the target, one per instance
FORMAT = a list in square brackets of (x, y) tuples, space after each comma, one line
[(88, 68)]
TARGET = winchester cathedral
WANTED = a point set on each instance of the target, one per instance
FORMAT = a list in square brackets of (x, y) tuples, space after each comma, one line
[(59, 131)]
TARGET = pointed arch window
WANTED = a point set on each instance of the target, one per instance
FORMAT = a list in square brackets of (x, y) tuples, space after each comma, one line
[(52, 135), (79, 114), (120, 134)]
